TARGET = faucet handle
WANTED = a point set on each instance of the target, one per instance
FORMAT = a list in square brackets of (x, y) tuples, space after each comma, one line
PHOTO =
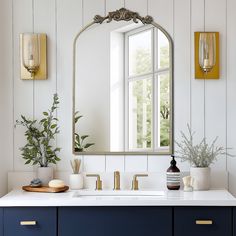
[(116, 180), (98, 181), (135, 180)]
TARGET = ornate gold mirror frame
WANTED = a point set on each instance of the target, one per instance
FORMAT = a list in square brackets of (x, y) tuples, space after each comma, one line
[(124, 14)]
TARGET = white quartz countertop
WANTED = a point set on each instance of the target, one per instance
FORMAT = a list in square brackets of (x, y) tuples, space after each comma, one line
[(170, 198)]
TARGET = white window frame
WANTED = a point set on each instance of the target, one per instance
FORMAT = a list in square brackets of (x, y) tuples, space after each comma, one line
[(154, 74)]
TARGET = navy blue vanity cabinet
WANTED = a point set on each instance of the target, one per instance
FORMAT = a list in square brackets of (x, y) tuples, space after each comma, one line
[(1, 221), (30, 221), (115, 221), (234, 221), (204, 221)]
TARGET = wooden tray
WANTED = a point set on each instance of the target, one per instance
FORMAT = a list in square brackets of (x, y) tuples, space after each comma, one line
[(45, 189)]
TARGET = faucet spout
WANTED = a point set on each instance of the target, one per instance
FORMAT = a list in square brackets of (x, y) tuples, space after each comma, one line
[(116, 180)]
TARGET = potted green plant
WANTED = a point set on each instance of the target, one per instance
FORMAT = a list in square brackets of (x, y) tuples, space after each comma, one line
[(200, 156), (39, 149), (80, 144)]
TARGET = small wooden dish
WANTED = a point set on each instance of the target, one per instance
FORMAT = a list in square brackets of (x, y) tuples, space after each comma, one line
[(45, 189)]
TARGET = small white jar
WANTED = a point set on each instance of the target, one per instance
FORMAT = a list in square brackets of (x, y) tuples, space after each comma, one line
[(76, 181)]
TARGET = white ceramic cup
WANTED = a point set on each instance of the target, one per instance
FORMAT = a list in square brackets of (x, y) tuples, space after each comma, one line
[(76, 181)]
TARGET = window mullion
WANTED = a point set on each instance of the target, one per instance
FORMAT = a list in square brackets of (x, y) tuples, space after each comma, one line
[(126, 87), (153, 90), (156, 98)]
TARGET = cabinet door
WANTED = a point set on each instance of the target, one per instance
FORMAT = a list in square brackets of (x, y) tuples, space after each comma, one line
[(1, 221), (115, 221), (28, 221), (234, 221), (204, 221)]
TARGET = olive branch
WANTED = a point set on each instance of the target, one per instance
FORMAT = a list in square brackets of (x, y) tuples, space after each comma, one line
[(39, 136)]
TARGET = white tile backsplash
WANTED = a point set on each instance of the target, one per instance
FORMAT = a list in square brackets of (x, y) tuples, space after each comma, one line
[(183, 166), (155, 180), (18, 179), (135, 163), (154, 166), (158, 163), (94, 163), (115, 163)]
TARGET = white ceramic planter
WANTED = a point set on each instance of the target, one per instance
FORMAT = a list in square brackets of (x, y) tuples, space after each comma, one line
[(76, 181), (201, 178), (45, 174)]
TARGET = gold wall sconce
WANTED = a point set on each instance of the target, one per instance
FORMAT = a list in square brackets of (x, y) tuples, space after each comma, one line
[(207, 65), (33, 56)]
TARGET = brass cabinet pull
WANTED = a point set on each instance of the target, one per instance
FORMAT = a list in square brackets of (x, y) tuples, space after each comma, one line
[(32, 222), (204, 222)]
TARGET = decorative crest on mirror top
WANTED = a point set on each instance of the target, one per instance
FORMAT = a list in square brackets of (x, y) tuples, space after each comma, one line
[(123, 14)]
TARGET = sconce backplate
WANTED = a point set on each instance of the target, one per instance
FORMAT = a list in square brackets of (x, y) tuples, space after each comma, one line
[(215, 72), (42, 71)]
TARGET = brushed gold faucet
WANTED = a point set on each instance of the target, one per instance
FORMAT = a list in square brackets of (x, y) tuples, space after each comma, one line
[(135, 181), (98, 181), (116, 180)]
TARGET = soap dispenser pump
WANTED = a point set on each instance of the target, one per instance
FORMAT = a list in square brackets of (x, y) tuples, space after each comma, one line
[(173, 175)]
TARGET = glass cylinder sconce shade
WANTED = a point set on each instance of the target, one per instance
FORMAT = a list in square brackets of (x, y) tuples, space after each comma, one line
[(207, 55), (207, 51), (31, 52), (33, 49)]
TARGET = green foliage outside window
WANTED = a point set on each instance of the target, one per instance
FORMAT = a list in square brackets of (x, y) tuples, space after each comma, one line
[(143, 94)]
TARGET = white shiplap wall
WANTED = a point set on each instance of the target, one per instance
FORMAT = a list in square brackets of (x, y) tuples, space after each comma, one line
[(209, 106), (6, 94)]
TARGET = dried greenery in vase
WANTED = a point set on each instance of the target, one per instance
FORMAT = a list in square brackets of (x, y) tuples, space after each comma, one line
[(39, 135), (201, 154)]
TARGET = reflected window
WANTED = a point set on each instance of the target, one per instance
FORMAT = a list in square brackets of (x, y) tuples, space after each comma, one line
[(147, 95)]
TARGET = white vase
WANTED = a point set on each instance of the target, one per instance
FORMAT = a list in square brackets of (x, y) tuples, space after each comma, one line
[(76, 181), (201, 178), (45, 174)]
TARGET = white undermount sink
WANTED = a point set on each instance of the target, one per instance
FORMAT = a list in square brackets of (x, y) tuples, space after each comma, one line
[(119, 193)]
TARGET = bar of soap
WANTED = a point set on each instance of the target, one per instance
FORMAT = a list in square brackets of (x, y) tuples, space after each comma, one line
[(56, 183)]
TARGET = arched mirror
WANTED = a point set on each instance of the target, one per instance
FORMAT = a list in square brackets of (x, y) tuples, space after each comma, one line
[(122, 86)]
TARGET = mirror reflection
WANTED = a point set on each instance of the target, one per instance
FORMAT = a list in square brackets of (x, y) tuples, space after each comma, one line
[(123, 89)]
